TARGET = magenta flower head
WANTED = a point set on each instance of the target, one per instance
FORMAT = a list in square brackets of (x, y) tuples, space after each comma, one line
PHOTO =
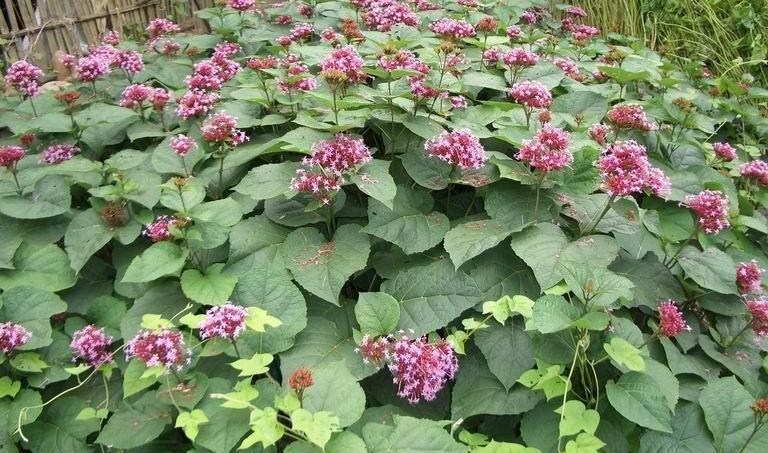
[(130, 61), (316, 183), (9, 155), (530, 94), (91, 345), (452, 29), (345, 60), (92, 67), (300, 32), (671, 321), (460, 148), (111, 38), (459, 102), (575, 11), (23, 76), (421, 369), (56, 154), (161, 27), (519, 57), (225, 321), (724, 151), (160, 229), (383, 15), (183, 145), (748, 277), (12, 336), (196, 102), (222, 128), (164, 348), (548, 151), (583, 33), (241, 5), (134, 95), (757, 169), (629, 116), (625, 170), (599, 132), (340, 155), (529, 17), (375, 351), (758, 309), (711, 208), (514, 32), (569, 67)]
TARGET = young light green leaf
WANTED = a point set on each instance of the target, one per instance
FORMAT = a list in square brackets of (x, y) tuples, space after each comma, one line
[(253, 366), (624, 353), (190, 422)]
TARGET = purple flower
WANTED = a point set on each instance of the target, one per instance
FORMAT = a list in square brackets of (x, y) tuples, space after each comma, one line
[(460, 148), (23, 76), (756, 169), (342, 154), (226, 321), (748, 277), (164, 348), (548, 151), (421, 369), (56, 154), (758, 309), (9, 155), (12, 336), (671, 321), (91, 345), (625, 170), (183, 145), (711, 207)]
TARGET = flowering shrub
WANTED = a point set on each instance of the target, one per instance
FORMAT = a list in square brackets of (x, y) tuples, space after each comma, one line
[(382, 226)]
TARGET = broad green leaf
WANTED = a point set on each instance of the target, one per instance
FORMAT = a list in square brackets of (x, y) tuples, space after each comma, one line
[(211, 288), (135, 423), (267, 181), (590, 107), (374, 180), (412, 224), (266, 428), (87, 234), (577, 418), (49, 198), (59, 430), (553, 314), (318, 427), (336, 391), (730, 420), (496, 343), (32, 308), (28, 362), (711, 269), (431, 296), (427, 171), (504, 447), (584, 443), (161, 259), (689, 434), (636, 397), (9, 387), (377, 313), (190, 422), (514, 205), (624, 353), (410, 435), (258, 364), (467, 240), (653, 281), (134, 378), (45, 267), (321, 267), (164, 299), (227, 426), (539, 246)]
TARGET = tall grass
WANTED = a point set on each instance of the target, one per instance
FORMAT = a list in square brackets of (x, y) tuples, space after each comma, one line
[(729, 35)]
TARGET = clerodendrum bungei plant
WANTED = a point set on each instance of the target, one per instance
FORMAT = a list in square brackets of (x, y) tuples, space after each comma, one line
[(390, 226)]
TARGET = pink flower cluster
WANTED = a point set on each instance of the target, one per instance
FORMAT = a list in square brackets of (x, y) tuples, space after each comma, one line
[(599, 132), (299, 77), (92, 67), (514, 32), (452, 29), (629, 116), (196, 102), (321, 186), (531, 94), (160, 229), (569, 67), (222, 128), (459, 102), (225, 321), (724, 151), (576, 11), (529, 17), (345, 60), (12, 336), (671, 320), (11, 154), (130, 61), (111, 38), (748, 277), (183, 145), (402, 59), (583, 33), (91, 345), (711, 207), (492, 55), (300, 32), (383, 15), (161, 27), (329, 35), (207, 78), (268, 62), (460, 148), (340, 155), (757, 169), (241, 5), (758, 309), (625, 170), (56, 154), (164, 348), (487, 24), (23, 76), (519, 57), (548, 151), (136, 95), (420, 90)]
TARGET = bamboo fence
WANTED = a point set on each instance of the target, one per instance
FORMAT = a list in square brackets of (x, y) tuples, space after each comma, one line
[(36, 29)]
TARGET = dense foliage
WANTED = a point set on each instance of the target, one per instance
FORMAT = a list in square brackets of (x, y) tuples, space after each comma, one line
[(387, 227)]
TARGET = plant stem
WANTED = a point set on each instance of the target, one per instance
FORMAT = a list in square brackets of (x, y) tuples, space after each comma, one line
[(741, 332), (600, 217), (682, 246), (234, 345), (181, 197), (749, 439), (32, 104), (221, 173), (16, 179), (335, 109), (184, 164), (539, 182)]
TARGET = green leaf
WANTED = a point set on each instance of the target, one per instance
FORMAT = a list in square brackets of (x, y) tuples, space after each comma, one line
[(496, 343), (539, 246), (190, 422), (134, 378), (227, 426), (59, 430), (374, 180), (9, 387), (479, 391), (411, 225), (160, 259), (653, 281), (32, 308), (624, 353), (584, 443), (726, 409), (431, 296), (577, 418), (86, 235), (258, 364), (28, 362), (428, 172), (689, 434), (553, 314), (711, 269), (636, 397), (513, 204), (211, 288), (45, 267), (591, 107), (377, 313), (317, 427), (266, 428), (321, 267), (410, 435), (336, 391), (467, 240), (267, 181), (135, 424), (505, 447), (50, 198)]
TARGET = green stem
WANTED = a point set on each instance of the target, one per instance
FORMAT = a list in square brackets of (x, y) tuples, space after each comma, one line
[(565, 394), (741, 332), (181, 197), (335, 109), (749, 439), (221, 174), (184, 164), (539, 182), (32, 104), (682, 246), (234, 345), (16, 179), (593, 224)]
